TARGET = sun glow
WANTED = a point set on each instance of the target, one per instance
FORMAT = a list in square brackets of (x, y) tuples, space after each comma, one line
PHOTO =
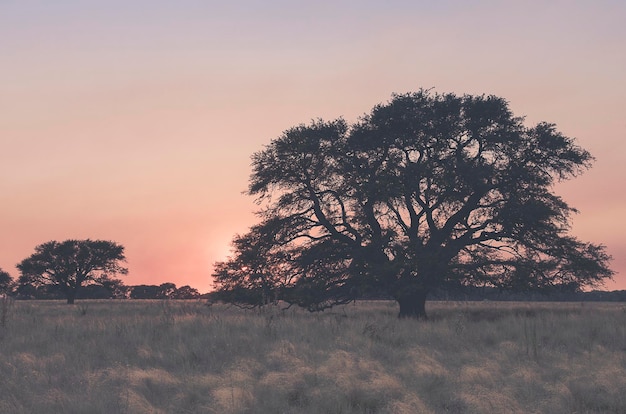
[(137, 126)]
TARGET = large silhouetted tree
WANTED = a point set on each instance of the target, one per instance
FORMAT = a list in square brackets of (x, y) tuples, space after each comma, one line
[(71, 264), (428, 191)]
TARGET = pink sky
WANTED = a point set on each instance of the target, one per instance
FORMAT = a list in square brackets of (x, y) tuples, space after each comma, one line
[(136, 123)]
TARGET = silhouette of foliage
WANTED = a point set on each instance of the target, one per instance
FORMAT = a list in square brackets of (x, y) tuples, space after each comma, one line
[(110, 289), (426, 192), (163, 291), (70, 265), (6, 282), (145, 292), (185, 292)]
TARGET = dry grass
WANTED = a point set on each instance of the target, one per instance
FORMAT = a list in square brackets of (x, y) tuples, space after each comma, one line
[(184, 357)]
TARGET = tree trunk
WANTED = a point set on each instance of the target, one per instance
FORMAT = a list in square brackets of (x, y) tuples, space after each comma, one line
[(70, 297), (412, 304)]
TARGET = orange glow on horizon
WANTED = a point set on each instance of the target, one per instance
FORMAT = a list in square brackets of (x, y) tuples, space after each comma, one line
[(136, 124)]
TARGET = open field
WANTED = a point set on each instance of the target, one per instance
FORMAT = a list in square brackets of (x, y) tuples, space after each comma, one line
[(186, 357)]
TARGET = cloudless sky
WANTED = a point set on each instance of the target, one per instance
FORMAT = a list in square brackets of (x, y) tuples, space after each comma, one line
[(135, 121)]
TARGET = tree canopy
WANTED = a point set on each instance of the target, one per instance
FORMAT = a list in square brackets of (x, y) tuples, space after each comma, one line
[(6, 282), (428, 191), (72, 264)]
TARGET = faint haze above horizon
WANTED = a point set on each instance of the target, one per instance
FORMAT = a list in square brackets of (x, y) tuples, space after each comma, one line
[(136, 122)]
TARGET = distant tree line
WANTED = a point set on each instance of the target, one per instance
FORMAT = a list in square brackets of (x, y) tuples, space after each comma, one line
[(549, 295), (487, 293), (116, 290), (162, 291), (82, 269)]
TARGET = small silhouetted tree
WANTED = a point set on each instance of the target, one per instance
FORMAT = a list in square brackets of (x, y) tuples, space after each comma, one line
[(6, 282), (117, 288), (185, 292), (145, 292), (426, 192), (162, 291), (166, 290), (257, 272), (72, 264)]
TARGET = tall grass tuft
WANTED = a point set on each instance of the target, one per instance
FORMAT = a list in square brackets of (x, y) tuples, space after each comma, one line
[(6, 305)]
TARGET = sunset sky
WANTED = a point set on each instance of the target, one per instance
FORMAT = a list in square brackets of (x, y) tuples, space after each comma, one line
[(134, 121)]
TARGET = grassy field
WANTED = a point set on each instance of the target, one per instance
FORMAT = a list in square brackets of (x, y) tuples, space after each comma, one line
[(186, 357)]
